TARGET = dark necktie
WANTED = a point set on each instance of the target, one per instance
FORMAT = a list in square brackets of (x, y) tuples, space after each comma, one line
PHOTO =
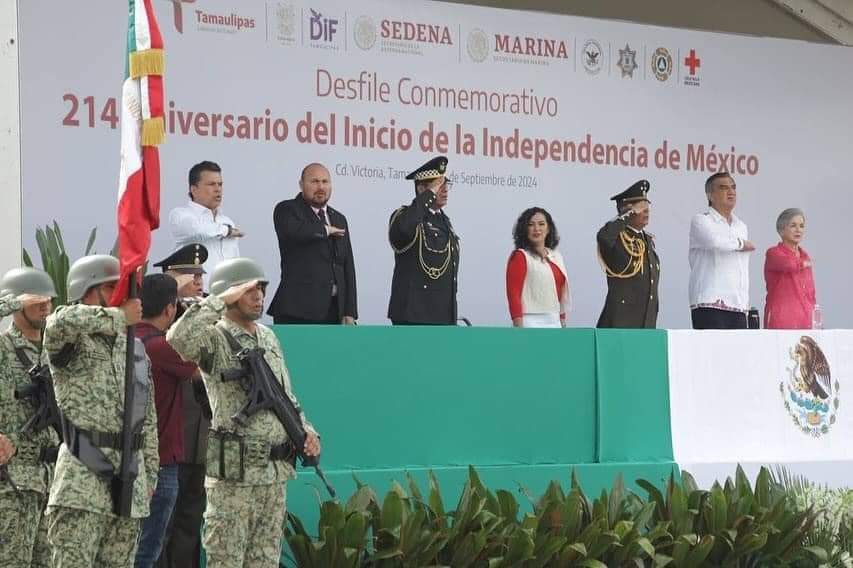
[(322, 215)]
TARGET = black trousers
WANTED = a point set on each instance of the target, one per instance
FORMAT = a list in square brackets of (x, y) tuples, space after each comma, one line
[(712, 318), (331, 318), (183, 546)]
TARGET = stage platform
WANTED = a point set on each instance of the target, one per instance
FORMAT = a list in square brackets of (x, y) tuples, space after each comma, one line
[(524, 406)]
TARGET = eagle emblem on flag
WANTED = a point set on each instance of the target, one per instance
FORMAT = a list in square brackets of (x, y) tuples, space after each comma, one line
[(809, 393)]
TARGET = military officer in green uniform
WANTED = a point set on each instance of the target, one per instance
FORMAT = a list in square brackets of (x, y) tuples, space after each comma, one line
[(426, 252), (86, 344), (628, 256), (248, 464), (27, 447)]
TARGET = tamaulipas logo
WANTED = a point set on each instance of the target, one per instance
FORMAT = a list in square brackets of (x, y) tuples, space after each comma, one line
[(210, 21), (178, 11), (809, 394)]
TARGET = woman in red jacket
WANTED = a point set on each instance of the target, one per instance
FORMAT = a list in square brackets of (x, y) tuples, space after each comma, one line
[(537, 287), (788, 274)]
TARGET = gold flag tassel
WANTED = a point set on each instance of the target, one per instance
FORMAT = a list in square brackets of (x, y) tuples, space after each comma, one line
[(147, 62), (153, 131)]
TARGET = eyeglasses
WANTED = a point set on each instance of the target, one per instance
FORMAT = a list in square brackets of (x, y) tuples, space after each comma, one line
[(447, 184)]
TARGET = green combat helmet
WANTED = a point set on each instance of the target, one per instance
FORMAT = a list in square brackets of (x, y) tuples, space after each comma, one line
[(90, 271), (27, 281), (234, 272)]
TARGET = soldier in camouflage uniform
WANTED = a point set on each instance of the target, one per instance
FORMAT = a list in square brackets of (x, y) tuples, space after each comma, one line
[(247, 466), (26, 456), (86, 343)]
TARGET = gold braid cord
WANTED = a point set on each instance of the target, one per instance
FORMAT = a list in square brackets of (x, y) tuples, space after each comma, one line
[(431, 271), (636, 249)]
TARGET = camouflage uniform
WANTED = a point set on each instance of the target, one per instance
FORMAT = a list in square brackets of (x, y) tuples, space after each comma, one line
[(82, 529), (23, 529), (243, 518)]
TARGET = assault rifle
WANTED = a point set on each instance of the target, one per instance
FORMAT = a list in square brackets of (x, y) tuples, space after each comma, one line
[(265, 392), (39, 392)]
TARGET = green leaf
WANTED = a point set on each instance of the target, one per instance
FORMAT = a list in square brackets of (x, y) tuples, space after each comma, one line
[(592, 563), (26, 257), (654, 495), (392, 511), (508, 505), (646, 546), (700, 552), (520, 548), (355, 531), (436, 504), (361, 500), (91, 242)]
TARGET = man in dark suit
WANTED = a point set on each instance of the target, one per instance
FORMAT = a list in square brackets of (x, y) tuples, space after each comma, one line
[(317, 267), (628, 255), (426, 252)]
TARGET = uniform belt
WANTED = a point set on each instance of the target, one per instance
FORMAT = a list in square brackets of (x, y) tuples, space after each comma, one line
[(254, 452), (101, 439)]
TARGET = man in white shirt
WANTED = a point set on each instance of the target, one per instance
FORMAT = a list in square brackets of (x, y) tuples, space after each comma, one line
[(201, 220), (719, 260)]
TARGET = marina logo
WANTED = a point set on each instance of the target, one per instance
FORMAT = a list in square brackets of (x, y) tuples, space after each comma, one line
[(592, 57)]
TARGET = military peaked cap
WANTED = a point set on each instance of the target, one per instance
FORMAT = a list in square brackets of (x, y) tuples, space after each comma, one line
[(636, 192), (435, 168), (186, 260)]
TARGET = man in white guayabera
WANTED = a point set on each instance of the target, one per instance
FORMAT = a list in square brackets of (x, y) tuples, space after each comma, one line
[(719, 260), (202, 221)]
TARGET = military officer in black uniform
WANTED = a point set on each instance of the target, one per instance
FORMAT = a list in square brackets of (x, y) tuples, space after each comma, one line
[(628, 256), (183, 545), (426, 252)]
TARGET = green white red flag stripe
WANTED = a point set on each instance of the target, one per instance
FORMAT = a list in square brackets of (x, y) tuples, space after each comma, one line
[(142, 128)]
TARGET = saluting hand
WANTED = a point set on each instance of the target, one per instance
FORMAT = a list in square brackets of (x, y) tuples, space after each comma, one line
[(132, 308), (7, 449), (233, 294), (333, 231), (312, 444), (28, 300)]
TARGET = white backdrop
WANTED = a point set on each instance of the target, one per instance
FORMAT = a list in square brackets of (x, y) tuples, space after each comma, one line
[(784, 104), (733, 399)]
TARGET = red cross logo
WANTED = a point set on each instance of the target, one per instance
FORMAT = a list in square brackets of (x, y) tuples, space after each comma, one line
[(693, 62), (179, 13)]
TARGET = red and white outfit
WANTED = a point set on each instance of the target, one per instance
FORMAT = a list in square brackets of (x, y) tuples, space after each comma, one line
[(537, 288)]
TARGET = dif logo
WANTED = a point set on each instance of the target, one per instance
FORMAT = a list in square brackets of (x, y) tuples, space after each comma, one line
[(320, 28)]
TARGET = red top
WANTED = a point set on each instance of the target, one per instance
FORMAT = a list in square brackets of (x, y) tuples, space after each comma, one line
[(516, 272), (168, 370), (790, 289)]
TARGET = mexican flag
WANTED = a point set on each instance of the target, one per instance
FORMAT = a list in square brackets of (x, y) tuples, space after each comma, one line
[(142, 129)]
